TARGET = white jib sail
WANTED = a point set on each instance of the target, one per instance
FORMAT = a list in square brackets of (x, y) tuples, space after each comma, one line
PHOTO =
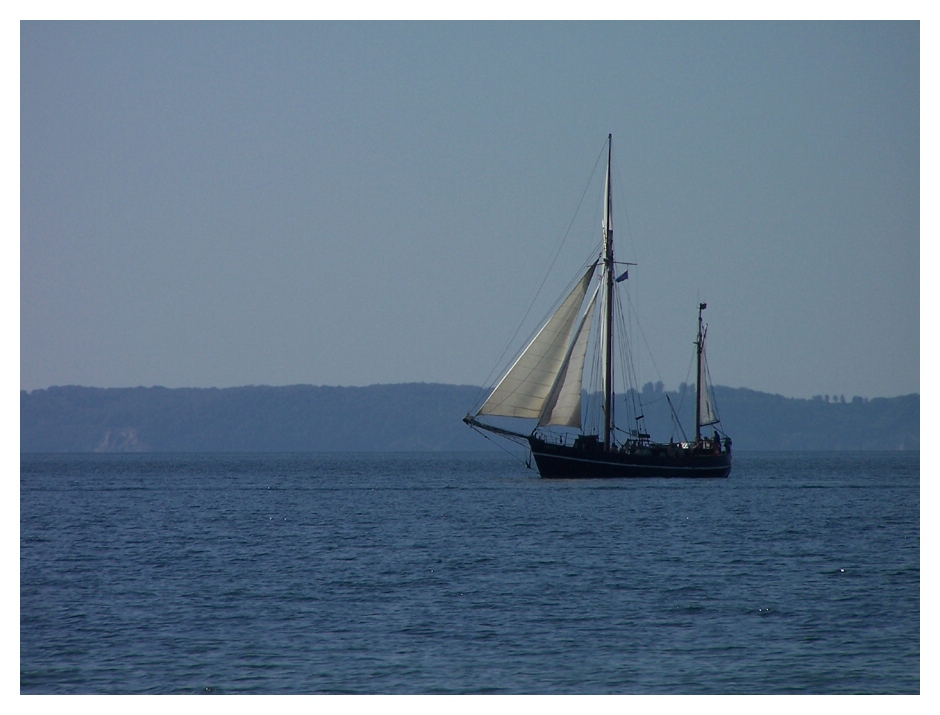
[(706, 411), (563, 406), (523, 390)]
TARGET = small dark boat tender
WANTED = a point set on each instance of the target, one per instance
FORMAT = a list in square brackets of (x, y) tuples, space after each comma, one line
[(545, 384)]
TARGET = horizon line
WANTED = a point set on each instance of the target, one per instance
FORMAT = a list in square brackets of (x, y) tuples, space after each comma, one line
[(678, 388)]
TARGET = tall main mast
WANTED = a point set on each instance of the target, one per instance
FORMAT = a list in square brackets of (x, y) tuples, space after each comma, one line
[(609, 308)]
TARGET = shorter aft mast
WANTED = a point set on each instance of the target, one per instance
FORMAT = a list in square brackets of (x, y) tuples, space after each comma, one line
[(545, 384), (704, 414)]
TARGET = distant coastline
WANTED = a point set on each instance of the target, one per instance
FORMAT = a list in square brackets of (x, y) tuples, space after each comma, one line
[(413, 417)]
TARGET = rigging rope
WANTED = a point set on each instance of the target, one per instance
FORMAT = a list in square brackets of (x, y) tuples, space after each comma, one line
[(538, 291), (526, 462)]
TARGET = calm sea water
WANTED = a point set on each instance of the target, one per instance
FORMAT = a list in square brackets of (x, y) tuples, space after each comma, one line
[(466, 574)]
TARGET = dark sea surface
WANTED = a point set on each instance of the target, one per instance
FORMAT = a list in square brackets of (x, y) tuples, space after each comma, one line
[(430, 573)]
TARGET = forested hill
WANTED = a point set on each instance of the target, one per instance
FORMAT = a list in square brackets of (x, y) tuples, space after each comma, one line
[(413, 417)]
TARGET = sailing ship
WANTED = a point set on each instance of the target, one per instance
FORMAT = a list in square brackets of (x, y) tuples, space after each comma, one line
[(545, 384)]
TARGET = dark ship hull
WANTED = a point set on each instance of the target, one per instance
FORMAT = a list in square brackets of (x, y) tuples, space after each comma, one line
[(590, 461)]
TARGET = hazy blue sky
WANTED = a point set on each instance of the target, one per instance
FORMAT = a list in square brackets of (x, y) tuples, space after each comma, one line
[(357, 203)]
